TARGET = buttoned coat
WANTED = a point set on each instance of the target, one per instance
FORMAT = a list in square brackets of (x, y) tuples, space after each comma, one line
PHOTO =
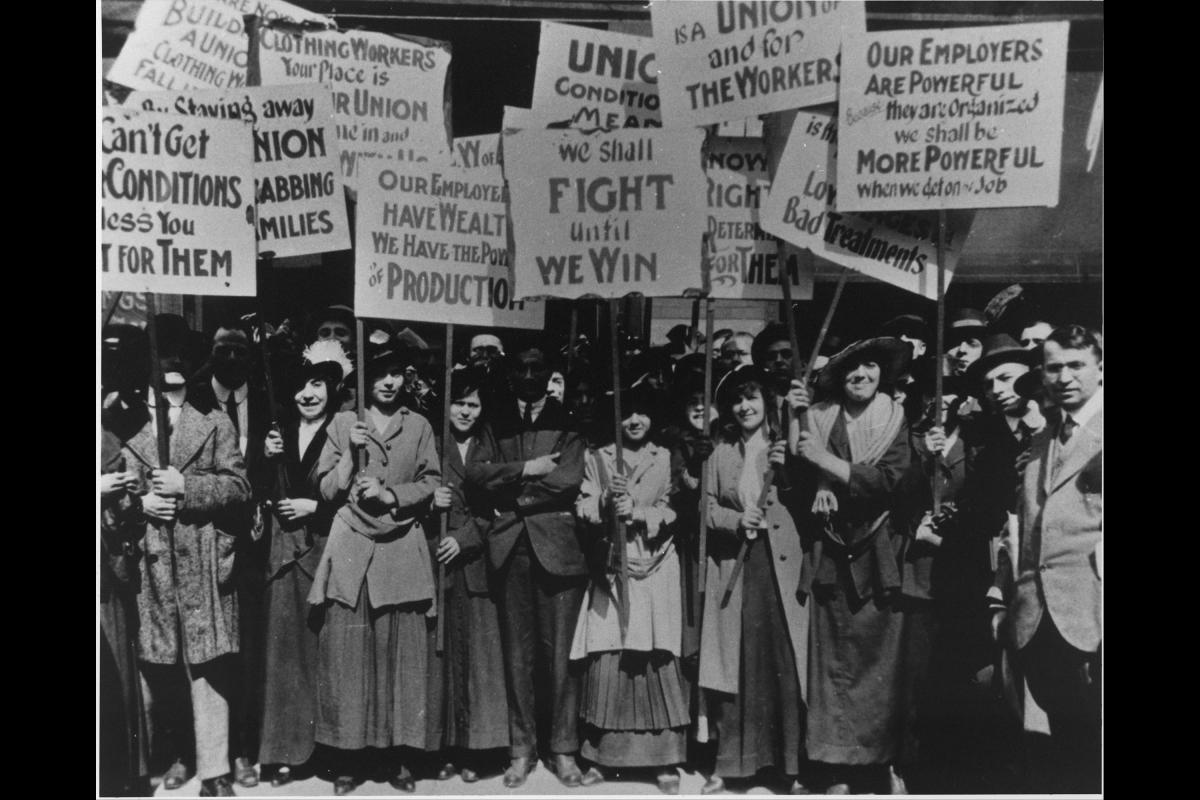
[(203, 448), (721, 631), (468, 519), (543, 507), (1061, 516)]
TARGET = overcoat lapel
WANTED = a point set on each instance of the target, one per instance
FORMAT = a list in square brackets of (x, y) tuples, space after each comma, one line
[(192, 432)]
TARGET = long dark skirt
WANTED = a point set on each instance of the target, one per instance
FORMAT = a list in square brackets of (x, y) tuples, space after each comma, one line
[(634, 710), (290, 657), (859, 686), (374, 676), (763, 725), (124, 740), (476, 703)]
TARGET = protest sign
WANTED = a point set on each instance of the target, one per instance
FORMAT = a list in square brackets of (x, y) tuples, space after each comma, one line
[(607, 213), (177, 204), (388, 92), (433, 242), (726, 60), (743, 261), (178, 45), (299, 204), (804, 208), (597, 79), (953, 118)]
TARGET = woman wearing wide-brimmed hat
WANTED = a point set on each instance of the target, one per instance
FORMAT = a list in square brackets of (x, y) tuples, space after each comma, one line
[(375, 581), (856, 454), (298, 521), (753, 647)]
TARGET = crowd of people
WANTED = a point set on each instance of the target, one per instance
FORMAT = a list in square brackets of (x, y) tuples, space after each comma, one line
[(829, 584)]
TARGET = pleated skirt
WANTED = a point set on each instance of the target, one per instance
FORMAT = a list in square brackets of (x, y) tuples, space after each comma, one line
[(634, 710)]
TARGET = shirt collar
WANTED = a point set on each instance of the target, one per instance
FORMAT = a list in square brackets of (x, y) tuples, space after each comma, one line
[(175, 397), (537, 407), (222, 393), (1093, 405)]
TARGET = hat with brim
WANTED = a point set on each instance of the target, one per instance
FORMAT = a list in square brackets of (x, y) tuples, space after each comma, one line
[(641, 398), (386, 354), (892, 355), (999, 348), (965, 323), (907, 325), (733, 381), (1030, 384)]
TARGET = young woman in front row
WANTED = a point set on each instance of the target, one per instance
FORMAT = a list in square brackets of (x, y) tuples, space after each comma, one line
[(634, 709)]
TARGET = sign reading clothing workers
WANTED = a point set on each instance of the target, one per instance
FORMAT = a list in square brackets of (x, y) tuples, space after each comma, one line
[(433, 242), (596, 79), (388, 92), (743, 261), (804, 208), (299, 205), (195, 44), (177, 204), (728, 60), (606, 213), (954, 118)]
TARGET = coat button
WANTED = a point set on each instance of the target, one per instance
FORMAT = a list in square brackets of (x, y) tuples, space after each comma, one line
[(387, 447), (782, 557), (775, 526), (1043, 567)]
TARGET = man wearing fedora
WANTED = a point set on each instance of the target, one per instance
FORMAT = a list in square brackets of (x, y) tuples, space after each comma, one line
[(1053, 614), (529, 467)]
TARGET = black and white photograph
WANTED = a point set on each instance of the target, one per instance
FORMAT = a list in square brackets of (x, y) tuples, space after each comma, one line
[(600, 397)]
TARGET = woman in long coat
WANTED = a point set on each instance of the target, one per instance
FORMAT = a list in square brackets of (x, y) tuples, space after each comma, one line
[(634, 711), (857, 455), (375, 580), (754, 644), (299, 522), (475, 707)]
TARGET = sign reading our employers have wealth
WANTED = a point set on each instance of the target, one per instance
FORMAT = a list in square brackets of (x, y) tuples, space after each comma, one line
[(743, 261), (953, 118), (728, 60), (804, 208), (177, 204), (299, 204), (596, 79), (606, 214), (178, 45), (388, 93), (433, 242)]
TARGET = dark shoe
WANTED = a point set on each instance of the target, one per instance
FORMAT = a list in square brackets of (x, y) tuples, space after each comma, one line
[(714, 785), (517, 771), (567, 770), (592, 777), (243, 772), (219, 786), (447, 772), (668, 781), (469, 775), (282, 777), (344, 784), (403, 781), (175, 776)]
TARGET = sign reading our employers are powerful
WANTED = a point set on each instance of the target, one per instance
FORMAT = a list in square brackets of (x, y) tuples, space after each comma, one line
[(728, 60), (433, 242), (299, 204), (607, 213), (804, 208), (953, 118), (177, 204)]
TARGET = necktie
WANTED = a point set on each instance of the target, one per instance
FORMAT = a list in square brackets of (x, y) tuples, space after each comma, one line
[(231, 409), (528, 418), (1068, 427)]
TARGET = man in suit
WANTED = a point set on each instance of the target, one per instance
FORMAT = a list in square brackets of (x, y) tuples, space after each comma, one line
[(529, 464), (224, 386), (1054, 611)]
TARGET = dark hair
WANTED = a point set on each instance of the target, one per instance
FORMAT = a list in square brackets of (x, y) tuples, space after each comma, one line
[(1077, 337), (465, 381), (730, 428), (887, 380)]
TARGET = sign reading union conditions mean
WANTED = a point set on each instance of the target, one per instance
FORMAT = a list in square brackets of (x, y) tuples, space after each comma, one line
[(177, 205), (804, 208), (953, 118), (596, 79), (299, 204), (606, 213), (388, 93), (433, 242), (743, 261), (195, 44), (727, 60)]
